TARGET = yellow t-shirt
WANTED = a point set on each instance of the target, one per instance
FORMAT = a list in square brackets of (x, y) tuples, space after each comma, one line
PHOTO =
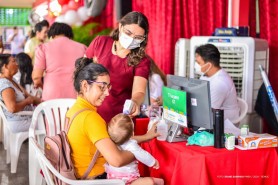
[(31, 46), (87, 128)]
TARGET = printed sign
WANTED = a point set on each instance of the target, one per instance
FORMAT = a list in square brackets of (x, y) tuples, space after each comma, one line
[(174, 106)]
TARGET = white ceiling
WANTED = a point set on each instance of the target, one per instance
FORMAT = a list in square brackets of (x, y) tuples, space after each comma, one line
[(16, 3)]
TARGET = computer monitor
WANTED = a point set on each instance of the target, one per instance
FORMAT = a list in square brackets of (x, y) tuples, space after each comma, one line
[(198, 103)]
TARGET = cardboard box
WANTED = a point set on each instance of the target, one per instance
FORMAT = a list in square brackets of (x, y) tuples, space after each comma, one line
[(257, 141)]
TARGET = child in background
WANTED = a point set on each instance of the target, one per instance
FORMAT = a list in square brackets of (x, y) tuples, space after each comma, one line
[(121, 129), (24, 74)]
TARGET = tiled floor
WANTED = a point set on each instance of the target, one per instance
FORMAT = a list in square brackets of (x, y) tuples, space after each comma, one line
[(21, 176)]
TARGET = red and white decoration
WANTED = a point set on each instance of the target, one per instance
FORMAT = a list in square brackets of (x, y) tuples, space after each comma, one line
[(72, 13)]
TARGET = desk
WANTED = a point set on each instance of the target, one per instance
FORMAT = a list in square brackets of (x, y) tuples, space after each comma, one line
[(195, 165)]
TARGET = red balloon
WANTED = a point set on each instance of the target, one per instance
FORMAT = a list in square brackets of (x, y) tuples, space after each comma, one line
[(63, 2), (73, 5)]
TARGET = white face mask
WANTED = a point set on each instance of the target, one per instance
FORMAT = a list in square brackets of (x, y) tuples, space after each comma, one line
[(198, 69), (128, 42)]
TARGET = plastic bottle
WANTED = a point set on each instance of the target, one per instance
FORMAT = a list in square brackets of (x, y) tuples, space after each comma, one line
[(152, 121), (154, 115), (244, 130), (229, 141), (162, 129)]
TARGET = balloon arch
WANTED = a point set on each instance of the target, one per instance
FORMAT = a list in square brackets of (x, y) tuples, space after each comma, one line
[(73, 12)]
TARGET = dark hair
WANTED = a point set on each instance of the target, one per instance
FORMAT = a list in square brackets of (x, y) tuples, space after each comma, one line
[(209, 53), (86, 69), (58, 28), (1, 42), (135, 56), (25, 68), (4, 60), (154, 69), (38, 27), (15, 27), (125, 128), (45, 23)]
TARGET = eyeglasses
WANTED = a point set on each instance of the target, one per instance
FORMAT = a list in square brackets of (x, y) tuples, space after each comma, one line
[(103, 85), (140, 38)]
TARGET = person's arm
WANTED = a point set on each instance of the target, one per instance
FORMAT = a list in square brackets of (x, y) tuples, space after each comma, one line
[(9, 99), (138, 94), (112, 154), (157, 101), (37, 75), (148, 136), (27, 49), (140, 154), (39, 66), (36, 100), (156, 85), (218, 93), (22, 42), (11, 37)]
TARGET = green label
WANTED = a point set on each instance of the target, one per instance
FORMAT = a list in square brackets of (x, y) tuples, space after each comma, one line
[(174, 106)]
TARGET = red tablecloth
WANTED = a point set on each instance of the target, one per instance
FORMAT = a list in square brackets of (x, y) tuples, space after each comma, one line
[(190, 165)]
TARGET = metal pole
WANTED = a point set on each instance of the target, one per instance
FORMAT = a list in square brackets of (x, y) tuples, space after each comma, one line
[(269, 91)]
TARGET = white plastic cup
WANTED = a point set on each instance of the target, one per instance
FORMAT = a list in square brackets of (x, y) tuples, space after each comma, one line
[(162, 129)]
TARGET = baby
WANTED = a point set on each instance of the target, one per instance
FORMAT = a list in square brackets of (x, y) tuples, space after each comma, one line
[(121, 130)]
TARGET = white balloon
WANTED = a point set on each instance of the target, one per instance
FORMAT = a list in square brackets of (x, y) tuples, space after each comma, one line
[(82, 13), (71, 17), (79, 23), (60, 18)]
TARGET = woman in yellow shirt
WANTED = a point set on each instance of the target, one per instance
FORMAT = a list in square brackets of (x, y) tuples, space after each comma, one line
[(38, 36), (88, 131)]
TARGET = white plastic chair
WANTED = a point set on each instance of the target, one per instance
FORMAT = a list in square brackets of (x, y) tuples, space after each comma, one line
[(1, 130), (243, 106), (48, 119), (49, 171), (2, 133), (12, 141)]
